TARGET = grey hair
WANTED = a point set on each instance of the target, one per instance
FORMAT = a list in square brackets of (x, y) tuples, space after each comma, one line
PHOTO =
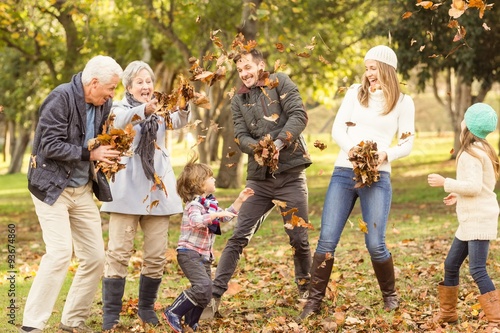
[(131, 71), (102, 68)]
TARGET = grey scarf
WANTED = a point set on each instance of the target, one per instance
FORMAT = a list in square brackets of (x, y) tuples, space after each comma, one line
[(146, 147)]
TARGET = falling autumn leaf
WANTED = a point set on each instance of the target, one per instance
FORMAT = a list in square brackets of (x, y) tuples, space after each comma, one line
[(363, 227), (458, 7), (320, 145), (405, 135), (272, 117), (425, 4), (323, 60), (200, 140), (279, 203), (350, 123), (304, 54), (406, 15), (280, 47)]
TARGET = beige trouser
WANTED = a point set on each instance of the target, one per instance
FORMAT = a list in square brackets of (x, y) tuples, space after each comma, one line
[(122, 230), (72, 223)]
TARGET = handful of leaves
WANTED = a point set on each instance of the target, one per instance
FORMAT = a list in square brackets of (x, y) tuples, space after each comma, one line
[(119, 139), (364, 157), (177, 99), (264, 153)]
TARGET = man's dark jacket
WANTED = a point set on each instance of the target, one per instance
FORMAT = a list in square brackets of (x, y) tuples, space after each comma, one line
[(280, 112), (59, 142)]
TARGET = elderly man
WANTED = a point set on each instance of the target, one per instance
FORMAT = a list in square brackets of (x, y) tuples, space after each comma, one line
[(62, 183)]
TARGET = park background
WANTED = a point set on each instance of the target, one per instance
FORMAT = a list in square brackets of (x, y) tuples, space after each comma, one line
[(445, 63)]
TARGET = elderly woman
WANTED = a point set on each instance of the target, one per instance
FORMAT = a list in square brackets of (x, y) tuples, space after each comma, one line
[(138, 199)]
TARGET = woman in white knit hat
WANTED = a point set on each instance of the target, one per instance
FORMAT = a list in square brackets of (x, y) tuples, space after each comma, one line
[(375, 111), (477, 209)]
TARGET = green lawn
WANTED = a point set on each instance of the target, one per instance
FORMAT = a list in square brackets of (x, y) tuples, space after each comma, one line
[(262, 296)]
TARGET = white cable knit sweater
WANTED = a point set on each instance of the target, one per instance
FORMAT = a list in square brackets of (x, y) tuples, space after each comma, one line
[(355, 123), (477, 205)]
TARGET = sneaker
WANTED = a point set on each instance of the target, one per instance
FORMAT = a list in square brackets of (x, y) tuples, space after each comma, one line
[(303, 295), (303, 290), (211, 309), (81, 328), (35, 330)]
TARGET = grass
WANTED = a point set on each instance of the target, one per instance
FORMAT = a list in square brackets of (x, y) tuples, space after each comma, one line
[(262, 293)]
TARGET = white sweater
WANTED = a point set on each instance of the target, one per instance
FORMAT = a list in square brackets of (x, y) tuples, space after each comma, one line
[(371, 125), (477, 205)]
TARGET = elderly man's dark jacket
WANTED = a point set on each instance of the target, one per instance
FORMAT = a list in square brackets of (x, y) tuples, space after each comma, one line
[(59, 142)]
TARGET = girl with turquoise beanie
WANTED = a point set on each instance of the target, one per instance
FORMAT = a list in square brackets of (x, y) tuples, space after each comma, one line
[(477, 210)]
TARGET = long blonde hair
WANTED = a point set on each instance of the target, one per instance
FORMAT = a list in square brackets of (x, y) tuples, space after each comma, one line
[(468, 141), (389, 83), (191, 181)]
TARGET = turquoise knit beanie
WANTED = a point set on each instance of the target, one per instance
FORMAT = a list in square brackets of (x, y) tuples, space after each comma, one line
[(480, 119)]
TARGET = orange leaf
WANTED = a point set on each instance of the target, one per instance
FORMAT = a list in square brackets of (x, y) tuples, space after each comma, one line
[(406, 15)]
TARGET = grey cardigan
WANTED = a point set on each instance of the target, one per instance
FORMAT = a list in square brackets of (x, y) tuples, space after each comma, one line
[(59, 140), (253, 119)]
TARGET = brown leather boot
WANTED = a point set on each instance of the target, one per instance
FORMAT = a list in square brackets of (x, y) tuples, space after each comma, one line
[(384, 271), (490, 303), (448, 298), (321, 268)]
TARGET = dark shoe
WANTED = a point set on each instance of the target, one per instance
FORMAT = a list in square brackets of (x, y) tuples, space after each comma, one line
[(321, 269), (174, 313), (211, 309), (112, 294), (192, 317), (148, 291), (81, 328), (303, 289), (34, 330), (384, 271)]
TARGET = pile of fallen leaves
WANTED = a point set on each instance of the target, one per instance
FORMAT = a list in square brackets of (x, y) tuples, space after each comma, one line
[(264, 153), (365, 161), (119, 139)]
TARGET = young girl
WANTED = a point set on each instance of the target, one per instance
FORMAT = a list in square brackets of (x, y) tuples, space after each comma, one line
[(477, 212), (200, 224)]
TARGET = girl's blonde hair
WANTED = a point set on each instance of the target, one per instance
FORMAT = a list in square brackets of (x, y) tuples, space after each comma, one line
[(468, 141), (389, 83), (191, 181)]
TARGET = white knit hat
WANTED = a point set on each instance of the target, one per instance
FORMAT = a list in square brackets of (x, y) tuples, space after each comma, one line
[(383, 54)]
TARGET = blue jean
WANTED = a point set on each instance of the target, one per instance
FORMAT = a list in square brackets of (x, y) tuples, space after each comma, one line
[(340, 198), (477, 250)]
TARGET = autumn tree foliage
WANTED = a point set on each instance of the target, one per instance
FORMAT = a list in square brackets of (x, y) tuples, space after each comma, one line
[(455, 42)]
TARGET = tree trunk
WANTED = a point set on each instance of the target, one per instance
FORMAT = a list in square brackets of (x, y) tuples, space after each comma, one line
[(462, 100), (18, 154), (231, 165)]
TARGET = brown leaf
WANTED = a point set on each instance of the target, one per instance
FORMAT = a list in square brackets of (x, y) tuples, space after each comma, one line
[(280, 47), (320, 145)]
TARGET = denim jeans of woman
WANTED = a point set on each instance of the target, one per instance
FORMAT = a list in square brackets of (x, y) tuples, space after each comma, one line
[(375, 201), (477, 250)]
